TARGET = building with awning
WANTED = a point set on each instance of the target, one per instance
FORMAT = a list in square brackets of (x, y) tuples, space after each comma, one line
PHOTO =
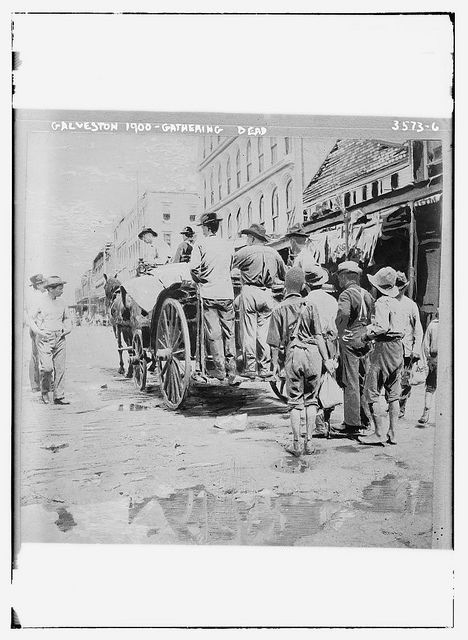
[(379, 203)]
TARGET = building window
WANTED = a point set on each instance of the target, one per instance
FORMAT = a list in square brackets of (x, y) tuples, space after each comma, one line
[(238, 170), (167, 238), (166, 212), (192, 217), (261, 156), (229, 225), (228, 175), (273, 150), (204, 193), (394, 179), (211, 188), (274, 210), (238, 221), (354, 197), (375, 189), (249, 214), (364, 192), (249, 161), (287, 145), (289, 199), (220, 180), (211, 143), (347, 199), (305, 215), (261, 209)]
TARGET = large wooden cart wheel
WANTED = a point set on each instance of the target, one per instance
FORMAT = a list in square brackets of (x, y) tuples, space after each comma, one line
[(140, 366), (172, 351), (279, 389)]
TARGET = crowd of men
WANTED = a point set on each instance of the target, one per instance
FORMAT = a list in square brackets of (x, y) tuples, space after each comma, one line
[(366, 341)]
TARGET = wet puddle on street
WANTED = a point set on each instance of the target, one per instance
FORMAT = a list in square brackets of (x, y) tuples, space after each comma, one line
[(394, 494)]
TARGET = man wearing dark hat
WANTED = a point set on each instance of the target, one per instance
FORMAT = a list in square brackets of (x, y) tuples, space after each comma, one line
[(160, 252), (51, 323), (260, 267), (355, 306), (297, 242), (210, 267), (33, 298), (184, 250), (387, 330), (412, 339)]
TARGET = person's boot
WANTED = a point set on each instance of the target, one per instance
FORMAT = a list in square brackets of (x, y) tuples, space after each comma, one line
[(45, 397), (309, 448), (425, 417)]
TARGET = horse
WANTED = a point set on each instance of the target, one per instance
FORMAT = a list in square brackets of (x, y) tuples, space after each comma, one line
[(120, 313)]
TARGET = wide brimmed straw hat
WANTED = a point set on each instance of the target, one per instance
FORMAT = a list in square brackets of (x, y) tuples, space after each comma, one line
[(384, 280), (147, 230), (53, 281), (315, 274), (258, 231)]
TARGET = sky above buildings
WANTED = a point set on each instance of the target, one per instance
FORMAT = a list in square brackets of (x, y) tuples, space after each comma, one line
[(78, 185)]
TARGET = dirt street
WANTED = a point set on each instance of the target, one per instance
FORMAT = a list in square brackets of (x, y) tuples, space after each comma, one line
[(115, 466)]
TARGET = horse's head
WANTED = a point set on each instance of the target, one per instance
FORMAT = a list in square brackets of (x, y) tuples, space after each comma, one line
[(111, 287)]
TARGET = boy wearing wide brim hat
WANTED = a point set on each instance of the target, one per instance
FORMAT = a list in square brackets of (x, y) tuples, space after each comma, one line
[(355, 306), (50, 323), (386, 359), (260, 268), (412, 339)]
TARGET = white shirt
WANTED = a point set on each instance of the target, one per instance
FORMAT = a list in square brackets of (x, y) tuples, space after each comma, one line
[(159, 252), (327, 308), (49, 314), (413, 330), (211, 262), (32, 299)]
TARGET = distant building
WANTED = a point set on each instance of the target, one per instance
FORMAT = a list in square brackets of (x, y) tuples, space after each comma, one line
[(166, 212), (252, 179)]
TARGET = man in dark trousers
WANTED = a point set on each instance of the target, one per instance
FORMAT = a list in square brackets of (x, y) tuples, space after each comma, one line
[(184, 250), (260, 267), (355, 308), (210, 268)]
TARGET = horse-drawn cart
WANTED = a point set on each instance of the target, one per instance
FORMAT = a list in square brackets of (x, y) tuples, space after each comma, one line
[(166, 320)]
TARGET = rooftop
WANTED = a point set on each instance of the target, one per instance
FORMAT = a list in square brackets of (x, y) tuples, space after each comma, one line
[(351, 160)]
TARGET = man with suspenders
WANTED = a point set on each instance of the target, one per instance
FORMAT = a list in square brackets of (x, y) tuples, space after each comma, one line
[(355, 308)]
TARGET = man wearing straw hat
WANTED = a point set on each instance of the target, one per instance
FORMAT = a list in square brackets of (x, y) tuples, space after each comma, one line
[(33, 298), (260, 267), (51, 323), (210, 267), (297, 241), (387, 330)]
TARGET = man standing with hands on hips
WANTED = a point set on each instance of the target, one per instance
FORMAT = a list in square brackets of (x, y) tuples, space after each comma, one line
[(50, 323)]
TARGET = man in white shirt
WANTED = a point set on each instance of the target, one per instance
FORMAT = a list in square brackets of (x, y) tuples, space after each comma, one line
[(50, 323), (386, 329), (161, 252), (411, 341), (210, 267), (32, 298)]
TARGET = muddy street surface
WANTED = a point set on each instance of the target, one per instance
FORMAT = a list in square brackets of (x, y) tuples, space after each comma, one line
[(116, 466)]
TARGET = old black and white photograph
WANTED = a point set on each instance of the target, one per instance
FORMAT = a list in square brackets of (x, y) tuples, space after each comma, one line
[(232, 329)]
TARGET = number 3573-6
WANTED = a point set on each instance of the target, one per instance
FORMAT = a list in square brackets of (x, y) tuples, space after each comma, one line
[(413, 125)]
